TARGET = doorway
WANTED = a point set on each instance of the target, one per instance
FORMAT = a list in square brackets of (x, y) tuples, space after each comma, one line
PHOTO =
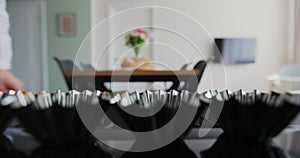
[(29, 37)]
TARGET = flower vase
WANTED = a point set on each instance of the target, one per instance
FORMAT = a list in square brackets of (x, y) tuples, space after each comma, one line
[(136, 51)]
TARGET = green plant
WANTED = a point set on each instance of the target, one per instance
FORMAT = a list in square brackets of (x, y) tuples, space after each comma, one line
[(137, 39)]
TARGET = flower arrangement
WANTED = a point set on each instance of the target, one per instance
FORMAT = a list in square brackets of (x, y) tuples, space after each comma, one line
[(137, 39)]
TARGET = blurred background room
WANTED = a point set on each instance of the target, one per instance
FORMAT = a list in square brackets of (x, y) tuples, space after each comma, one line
[(245, 44)]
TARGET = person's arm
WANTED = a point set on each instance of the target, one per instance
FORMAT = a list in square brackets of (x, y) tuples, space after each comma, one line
[(7, 79)]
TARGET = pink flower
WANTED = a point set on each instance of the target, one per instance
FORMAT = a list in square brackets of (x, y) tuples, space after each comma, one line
[(141, 31), (150, 36)]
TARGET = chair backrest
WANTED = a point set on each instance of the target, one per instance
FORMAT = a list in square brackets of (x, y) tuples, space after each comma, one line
[(66, 65), (192, 85), (186, 66), (200, 66), (87, 66), (178, 85)]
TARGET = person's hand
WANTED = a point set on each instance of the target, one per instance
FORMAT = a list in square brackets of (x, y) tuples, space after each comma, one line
[(9, 82)]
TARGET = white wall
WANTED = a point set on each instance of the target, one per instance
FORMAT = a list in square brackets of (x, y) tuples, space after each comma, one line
[(265, 20)]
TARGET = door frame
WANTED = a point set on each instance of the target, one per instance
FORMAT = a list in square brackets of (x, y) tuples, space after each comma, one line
[(44, 46)]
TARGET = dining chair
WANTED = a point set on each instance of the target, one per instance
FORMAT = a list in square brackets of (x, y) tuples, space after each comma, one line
[(89, 85), (66, 65), (87, 67), (190, 85), (178, 85)]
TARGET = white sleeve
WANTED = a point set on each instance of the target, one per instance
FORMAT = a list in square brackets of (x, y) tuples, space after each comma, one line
[(5, 39)]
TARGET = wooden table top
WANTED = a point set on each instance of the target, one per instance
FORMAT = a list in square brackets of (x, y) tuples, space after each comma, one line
[(108, 73), (133, 76)]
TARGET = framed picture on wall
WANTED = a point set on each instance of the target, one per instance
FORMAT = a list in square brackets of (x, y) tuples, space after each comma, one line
[(66, 24)]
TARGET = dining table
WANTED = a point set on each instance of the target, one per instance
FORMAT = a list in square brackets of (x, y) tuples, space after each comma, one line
[(95, 80)]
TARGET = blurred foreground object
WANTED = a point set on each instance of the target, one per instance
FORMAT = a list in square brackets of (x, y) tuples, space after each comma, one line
[(9, 82)]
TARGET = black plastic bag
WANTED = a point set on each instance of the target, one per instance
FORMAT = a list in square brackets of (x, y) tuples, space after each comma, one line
[(249, 124), (160, 108), (54, 120), (7, 149)]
